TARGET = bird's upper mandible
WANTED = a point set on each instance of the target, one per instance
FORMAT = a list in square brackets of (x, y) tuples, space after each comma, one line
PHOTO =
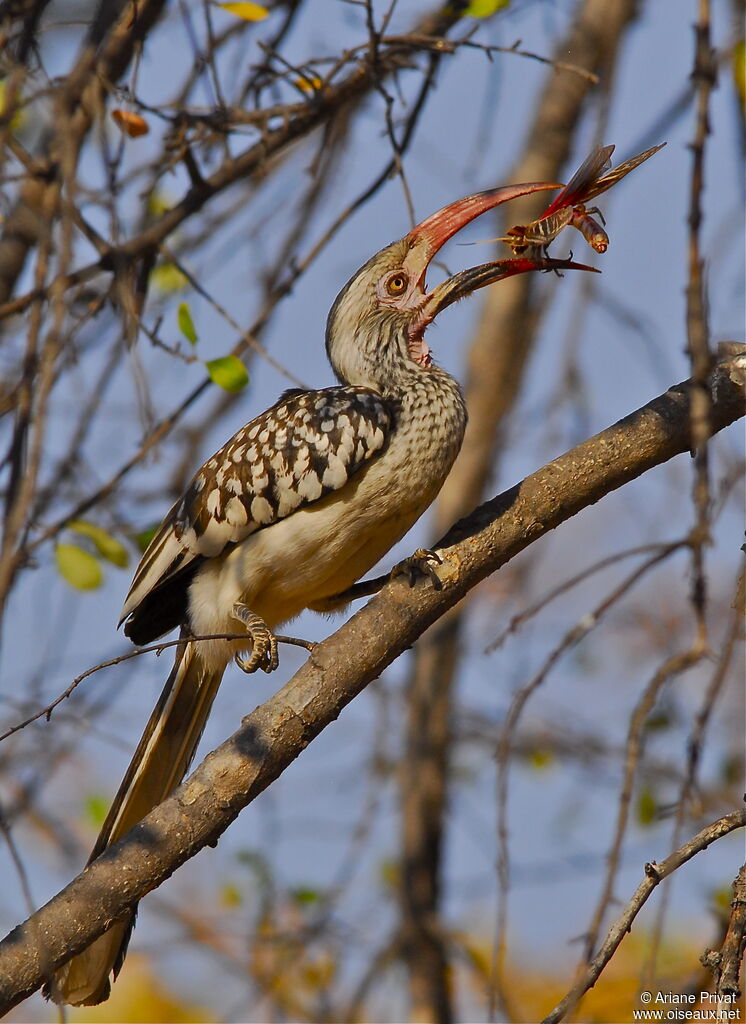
[(375, 330)]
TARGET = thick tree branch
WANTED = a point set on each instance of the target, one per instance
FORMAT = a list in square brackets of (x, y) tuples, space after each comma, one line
[(273, 735)]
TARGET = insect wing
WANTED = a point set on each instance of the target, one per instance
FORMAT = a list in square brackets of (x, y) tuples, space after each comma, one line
[(578, 188), (617, 173)]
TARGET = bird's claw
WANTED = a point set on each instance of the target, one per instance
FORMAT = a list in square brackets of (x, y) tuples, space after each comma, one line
[(421, 563), (264, 654)]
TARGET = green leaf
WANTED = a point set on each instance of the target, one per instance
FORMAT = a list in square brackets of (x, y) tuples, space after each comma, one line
[(186, 324), (247, 11), (658, 721), (168, 278), (484, 8), (79, 568), (228, 372), (145, 536), (19, 117), (305, 896), (107, 546), (96, 808)]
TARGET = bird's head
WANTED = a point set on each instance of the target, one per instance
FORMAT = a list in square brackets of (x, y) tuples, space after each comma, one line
[(376, 327)]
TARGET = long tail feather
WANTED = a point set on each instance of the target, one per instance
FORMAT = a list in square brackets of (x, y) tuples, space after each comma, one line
[(159, 764)]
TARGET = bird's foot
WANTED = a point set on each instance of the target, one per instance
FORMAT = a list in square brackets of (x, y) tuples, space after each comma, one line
[(421, 563), (263, 642)]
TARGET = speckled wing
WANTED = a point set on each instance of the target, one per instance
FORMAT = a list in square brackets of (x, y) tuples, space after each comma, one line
[(309, 444)]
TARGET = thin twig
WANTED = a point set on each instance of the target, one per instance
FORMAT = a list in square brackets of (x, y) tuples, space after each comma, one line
[(505, 741), (672, 666), (528, 613), (46, 712), (704, 78), (694, 746), (654, 875)]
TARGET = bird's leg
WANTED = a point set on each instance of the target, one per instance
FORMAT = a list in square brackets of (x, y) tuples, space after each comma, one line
[(421, 563), (418, 564), (336, 602), (263, 642)]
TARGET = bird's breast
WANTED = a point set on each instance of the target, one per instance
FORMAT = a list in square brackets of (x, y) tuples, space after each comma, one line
[(323, 548)]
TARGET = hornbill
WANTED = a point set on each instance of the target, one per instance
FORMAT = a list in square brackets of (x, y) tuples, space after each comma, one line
[(292, 510)]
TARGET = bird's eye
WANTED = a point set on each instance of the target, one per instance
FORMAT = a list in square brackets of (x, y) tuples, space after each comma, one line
[(397, 284)]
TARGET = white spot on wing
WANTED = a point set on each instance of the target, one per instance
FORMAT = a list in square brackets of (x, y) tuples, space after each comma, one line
[(309, 487), (235, 513), (335, 474), (289, 501), (261, 511), (213, 540)]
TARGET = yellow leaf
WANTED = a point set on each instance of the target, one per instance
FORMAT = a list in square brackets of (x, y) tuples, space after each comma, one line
[(244, 9), (168, 278), (107, 546), (142, 996), (308, 83), (231, 896), (484, 8), (647, 807), (158, 204), (77, 567), (540, 758), (18, 118)]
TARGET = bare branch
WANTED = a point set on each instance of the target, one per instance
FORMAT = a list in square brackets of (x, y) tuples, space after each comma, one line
[(158, 649), (654, 874), (704, 78)]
